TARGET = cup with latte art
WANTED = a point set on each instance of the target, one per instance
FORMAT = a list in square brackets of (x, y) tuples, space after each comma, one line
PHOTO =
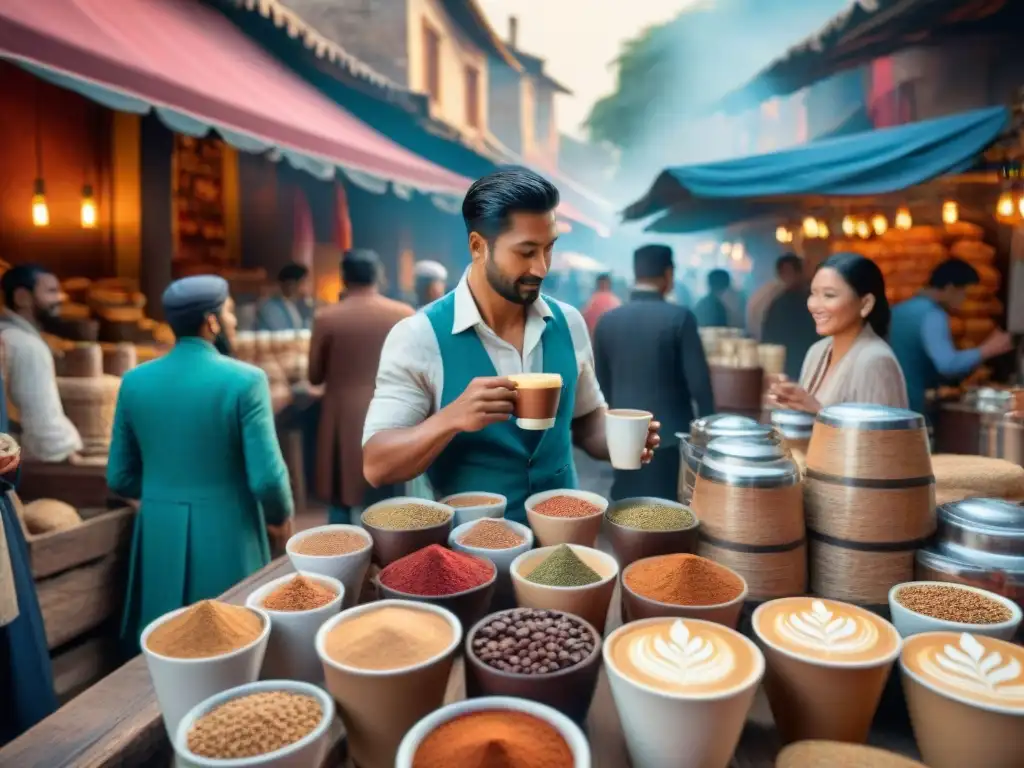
[(683, 689), (965, 694), (828, 663)]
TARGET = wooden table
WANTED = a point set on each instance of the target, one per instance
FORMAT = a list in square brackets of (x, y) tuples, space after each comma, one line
[(117, 722)]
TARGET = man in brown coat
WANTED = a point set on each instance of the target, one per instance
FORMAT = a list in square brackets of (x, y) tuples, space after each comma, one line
[(344, 355)]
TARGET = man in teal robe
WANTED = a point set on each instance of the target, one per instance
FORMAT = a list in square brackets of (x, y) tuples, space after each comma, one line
[(443, 400), (194, 442)]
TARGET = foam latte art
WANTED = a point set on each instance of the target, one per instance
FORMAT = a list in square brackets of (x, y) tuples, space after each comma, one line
[(680, 657), (822, 630), (971, 668)]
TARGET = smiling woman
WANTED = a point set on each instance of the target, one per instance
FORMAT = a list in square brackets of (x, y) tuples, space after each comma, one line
[(854, 363)]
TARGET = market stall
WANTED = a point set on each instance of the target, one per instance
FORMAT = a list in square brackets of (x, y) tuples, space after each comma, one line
[(117, 721)]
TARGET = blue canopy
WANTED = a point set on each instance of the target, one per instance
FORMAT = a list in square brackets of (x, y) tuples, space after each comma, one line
[(868, 163)]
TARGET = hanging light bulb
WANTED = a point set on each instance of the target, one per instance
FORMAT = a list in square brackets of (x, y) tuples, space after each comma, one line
[(879, 224), (89, 212), (903, 219), (725, 249), (863, 229), (1020, 206), (40, 211), (1006, 205), (823, 231), (849, 226), (810, 227), (950, 212), (783, 235)]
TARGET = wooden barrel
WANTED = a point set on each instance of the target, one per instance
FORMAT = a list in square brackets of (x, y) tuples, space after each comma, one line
[(83, 361), (795, 428), (90, 405), (750, 506), (737, 390), (869, 494), (118, 359)]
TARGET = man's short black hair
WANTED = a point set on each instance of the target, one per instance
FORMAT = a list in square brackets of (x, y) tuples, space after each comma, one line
[(604, 277), (360, 266), (651, 261), (788, 260), (955, 272), (20, 276), (491, 200), (718, 280), (292, 273)]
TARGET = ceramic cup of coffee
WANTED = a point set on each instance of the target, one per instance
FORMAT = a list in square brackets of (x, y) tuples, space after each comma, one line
[(965, 694), (626, 432), (683, 689), (828, 663), (537, 396)]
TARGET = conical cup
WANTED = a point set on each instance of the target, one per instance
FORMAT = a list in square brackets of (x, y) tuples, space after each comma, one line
[(378, 707)]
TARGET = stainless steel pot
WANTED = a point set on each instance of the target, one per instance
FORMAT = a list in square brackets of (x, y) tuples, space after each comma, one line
[(1002, 436)]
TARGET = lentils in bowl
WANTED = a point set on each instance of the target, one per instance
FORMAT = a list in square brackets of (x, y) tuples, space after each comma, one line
[(651, 515), (935, 606)]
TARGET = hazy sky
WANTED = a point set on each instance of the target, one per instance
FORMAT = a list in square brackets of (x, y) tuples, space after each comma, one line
[(597, 29)]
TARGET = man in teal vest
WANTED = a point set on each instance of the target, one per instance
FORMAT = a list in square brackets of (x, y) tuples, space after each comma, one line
[(443, 402), (921, 340), (194, 441)]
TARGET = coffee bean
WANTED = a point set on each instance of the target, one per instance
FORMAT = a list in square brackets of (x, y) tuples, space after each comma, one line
[(533, 642)]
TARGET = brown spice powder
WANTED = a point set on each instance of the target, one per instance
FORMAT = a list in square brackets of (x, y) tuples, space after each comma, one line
[(683, 580), (949, 603), (389, 638), (491, 534), (209, 628), (253, 725), (327, 543), (299, 593)]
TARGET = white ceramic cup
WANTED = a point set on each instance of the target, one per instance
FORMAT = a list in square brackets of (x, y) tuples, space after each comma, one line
[(626, 432), (180, 684), (664, 729), (310, 750), (502, 558), (349, 568), (291, 650), (571, 732), (909, 623)]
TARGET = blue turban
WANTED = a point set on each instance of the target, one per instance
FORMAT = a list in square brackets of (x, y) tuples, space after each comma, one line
[(189, 300)]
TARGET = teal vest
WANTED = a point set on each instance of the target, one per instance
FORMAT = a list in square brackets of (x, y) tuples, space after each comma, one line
[(502, 458)]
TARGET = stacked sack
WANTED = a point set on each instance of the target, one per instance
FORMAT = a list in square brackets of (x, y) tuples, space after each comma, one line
[(907, 258)]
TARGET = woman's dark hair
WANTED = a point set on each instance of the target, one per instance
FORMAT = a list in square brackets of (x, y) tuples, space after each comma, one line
[(491, 200), (864, 277)]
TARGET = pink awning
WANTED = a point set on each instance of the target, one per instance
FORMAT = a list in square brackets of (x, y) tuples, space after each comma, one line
[(183, 55)]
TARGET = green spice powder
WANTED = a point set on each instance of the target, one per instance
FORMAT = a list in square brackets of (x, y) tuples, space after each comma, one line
[(652, 517), (563, 568)]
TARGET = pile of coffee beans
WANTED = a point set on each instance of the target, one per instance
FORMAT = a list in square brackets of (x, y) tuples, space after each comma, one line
[(531, 642)]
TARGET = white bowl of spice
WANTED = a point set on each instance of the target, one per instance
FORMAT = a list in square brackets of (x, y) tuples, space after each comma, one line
[(474, 505), (500, 541), (279, 723), (341, 552), (297, 605), (195, 652), (940, 606)]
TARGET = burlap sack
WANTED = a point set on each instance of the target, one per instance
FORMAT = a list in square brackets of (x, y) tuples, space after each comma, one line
[(48, 515)]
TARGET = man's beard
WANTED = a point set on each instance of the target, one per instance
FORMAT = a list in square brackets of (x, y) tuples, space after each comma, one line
[(221, 342), (523, 291)]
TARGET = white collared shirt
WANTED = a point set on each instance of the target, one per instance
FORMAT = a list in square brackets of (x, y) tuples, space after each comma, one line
[(410, 378), (47, 434)]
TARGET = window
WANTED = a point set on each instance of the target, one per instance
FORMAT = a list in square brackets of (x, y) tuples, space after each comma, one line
[(472, 97), (432, 62)]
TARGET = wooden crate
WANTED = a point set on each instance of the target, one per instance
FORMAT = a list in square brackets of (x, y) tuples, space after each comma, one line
[(83, 486)]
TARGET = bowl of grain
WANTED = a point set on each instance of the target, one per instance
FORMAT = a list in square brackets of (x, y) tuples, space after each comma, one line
[(401, 525), (474, 505), (837, 754), (297, 605), (566, 577), (939, 606), (644, 526), (341, 552), (565, 516), (275, 723), (198, 651), (682, 586)]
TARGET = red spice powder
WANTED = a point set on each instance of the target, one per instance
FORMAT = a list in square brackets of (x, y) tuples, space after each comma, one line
[(566, 506), (435, 571)]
